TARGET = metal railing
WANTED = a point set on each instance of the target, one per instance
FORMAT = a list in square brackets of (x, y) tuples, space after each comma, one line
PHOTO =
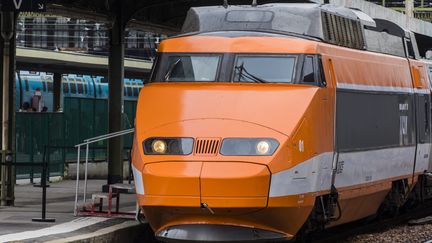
[(87, 143)]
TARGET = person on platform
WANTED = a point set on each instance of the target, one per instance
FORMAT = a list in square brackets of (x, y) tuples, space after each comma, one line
[(26, 107), (36, 101)]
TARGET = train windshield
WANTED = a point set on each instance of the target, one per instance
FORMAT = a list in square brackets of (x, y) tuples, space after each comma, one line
[(228, 67), (264, 69), (191, 68)]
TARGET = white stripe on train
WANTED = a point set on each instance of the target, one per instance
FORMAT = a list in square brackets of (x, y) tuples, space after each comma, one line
[(355, 168), (382, 88)]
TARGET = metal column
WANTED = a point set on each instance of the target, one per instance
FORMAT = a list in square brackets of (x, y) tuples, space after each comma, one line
[(57, 91), (7, 175), (115, 100), (409, 9)]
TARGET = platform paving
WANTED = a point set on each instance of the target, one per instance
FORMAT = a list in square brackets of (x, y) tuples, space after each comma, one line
[(16, 222)]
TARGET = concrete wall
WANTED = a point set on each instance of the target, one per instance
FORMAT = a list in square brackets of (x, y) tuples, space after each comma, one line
[(377, 11), (95, 170)]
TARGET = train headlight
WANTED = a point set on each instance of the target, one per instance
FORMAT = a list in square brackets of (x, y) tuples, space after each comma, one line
[(249, 146), (263, 147), (159, 146), (168, 146)]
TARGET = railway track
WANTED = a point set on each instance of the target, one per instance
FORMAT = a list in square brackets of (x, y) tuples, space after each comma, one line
[(371, 225)]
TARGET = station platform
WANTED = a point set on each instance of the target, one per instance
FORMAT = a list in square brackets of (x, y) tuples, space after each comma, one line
[(16, 222)]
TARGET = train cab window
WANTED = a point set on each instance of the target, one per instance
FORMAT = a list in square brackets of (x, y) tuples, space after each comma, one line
[(198, 68), (264, 69), (308, 72), (409, 49)]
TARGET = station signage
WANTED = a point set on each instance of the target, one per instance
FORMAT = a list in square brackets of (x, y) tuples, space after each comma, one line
[(23, 5)]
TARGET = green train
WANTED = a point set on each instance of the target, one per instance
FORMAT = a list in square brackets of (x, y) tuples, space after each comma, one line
[(84, 114)]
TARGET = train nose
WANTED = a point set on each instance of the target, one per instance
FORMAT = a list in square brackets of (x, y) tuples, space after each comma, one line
[(210, 184), (234, 185)]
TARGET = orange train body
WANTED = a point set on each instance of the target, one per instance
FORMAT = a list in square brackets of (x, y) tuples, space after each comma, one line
[(322, 151)]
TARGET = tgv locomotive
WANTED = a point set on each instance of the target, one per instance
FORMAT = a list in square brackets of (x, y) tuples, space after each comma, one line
[(266, 122)]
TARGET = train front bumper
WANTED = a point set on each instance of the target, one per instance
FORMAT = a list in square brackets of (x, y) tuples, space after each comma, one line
[(214, 184)]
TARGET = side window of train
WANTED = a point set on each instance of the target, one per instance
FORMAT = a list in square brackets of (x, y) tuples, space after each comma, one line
[(50, 86), (72, 87), (427, 115), (430, 76), (308, 71), (65, 86), (135, 91), (26, 85), (409, 48), (80, 87), (321, 75), (129, 90)]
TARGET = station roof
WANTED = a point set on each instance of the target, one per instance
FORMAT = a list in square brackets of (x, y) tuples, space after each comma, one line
[(162, 16), (77, 63)]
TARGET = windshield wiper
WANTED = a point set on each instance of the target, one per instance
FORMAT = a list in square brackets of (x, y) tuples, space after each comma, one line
[(171, 69), (247, 75)]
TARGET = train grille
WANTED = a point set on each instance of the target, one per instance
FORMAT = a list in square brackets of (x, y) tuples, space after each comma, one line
[(207, 146)]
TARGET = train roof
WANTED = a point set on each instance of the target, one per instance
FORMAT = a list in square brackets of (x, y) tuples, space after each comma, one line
[(320, 21), (324, 22)]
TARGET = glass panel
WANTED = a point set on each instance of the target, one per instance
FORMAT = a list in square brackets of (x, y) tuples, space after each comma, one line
[(65, 88), (73, 88), (308, 73), (80, 88), (260, 69), (191, 68)]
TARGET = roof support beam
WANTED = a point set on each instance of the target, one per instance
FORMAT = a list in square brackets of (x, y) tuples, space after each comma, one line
[(7, 173), (115, 97)]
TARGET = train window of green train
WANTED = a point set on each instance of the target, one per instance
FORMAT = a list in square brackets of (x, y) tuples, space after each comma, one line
[(135, 91), (129, 90), (50, 86), (80, 88), (73, 88), (65, 87)]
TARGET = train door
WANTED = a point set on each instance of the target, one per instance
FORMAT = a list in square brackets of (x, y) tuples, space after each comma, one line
[(422, 101), (429, 72)]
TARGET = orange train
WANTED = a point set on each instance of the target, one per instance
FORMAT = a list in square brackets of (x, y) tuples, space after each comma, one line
[(263, 122)]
